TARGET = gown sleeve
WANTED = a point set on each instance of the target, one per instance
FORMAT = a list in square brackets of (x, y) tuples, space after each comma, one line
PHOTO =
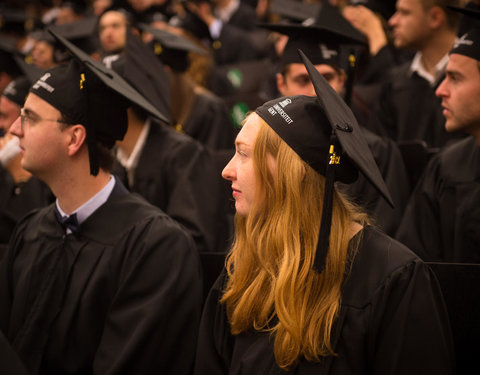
[(152, 323), (410, 331)]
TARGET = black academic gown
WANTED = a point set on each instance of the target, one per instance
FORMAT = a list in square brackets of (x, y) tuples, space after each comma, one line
[(392, 321), (179, 175), (121, 297), (442, 219), (391, 166), (408, 109), (16, 200), (210, 123)]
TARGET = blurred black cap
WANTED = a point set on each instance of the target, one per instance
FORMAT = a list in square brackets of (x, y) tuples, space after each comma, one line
[(7, 61), (469, 43), (17, 90), (296, 11), (172, 49)]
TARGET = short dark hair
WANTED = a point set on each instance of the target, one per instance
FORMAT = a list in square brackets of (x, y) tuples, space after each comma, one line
[(105, 156)]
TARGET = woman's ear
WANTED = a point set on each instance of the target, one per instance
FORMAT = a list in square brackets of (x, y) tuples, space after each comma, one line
[(77, 137)]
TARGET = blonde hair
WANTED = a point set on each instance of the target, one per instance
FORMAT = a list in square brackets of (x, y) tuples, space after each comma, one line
[(271, 285)]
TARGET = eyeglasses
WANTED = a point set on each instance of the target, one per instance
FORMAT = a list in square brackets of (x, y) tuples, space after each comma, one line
[(26, 118)]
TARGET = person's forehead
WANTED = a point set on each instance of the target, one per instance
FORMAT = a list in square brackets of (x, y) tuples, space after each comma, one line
[(464, 64), (6, 105), (298, 68), (112, 17), (248, 133), (39, 106)]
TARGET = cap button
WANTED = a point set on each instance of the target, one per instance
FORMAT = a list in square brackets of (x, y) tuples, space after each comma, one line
[(344, 127)]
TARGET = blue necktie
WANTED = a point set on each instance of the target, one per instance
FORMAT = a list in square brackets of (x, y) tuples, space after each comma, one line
[(68, 222)]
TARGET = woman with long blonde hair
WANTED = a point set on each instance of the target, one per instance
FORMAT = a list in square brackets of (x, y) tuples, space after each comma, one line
[(309, 286)]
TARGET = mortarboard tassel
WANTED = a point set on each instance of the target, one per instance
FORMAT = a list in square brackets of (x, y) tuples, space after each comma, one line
[(326, 222)]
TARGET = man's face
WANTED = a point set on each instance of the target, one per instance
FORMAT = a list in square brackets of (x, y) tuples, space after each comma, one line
[(112, 29), (410, 24), (296, 80), (460, 93), (42, 140), (9, 111)]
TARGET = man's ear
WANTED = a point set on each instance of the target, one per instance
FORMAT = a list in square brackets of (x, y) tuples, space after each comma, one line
[(281, 86), (436, 17), (77, 137)]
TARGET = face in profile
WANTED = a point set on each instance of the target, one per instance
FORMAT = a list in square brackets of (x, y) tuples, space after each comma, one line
[(240, 170), (410, 24), (460, 94), (42, 140)]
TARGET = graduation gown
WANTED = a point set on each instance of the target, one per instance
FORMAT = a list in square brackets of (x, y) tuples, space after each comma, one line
[(442, 219), (179, 175), (16, 200), (408, 109), (390, 163), (209, 122), (392, 320), (121, 297)]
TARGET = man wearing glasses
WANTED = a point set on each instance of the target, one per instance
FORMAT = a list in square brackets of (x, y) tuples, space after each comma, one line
[(99, 282)]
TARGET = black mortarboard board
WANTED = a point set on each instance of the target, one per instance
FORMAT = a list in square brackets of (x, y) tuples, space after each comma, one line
[(386, 8), (468, 44), (81, 33), (17, 21), (294, 10), (320, 38), (324, 133), (191, 23), (7, 61), (90, 94), (17, 90), (139, 66), (172, 49), (328, 24), (78, 6)]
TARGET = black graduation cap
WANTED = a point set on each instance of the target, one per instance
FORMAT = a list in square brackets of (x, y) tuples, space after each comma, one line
[(77, 6), (81, 33), (17, 90), (93, 95), (294, 10), (139, 66), (324, 133), (171, 48), (385, 8), (7, 61), (328, 25), (468, 44), (13, 20)]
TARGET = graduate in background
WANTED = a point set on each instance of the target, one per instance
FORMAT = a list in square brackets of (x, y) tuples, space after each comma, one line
[(442, 220), (100, 282), (309, 286), (20, 192), (407, 108)]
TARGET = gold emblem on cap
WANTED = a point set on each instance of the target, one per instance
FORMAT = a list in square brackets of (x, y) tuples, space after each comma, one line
[(158, 49), (82, 79), (217, 44), (334, 159)]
